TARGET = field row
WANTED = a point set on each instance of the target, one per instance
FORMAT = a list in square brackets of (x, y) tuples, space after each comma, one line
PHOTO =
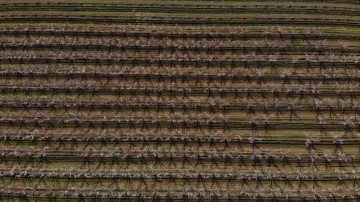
[(194, 33), (188, 194), (186, 8), (37, 17)]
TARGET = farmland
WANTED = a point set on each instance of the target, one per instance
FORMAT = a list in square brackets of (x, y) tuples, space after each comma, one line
[(179, 100)]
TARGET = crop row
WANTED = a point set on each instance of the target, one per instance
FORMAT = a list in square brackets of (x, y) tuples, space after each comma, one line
[(245, 49), (108, 156), (160, 45), (219, 142), (108, 173), (56, 104), (180, 177), (141, 194), (181, 92), (164, 52), (244, 35), (58, 18), (51, 77), (183, 8), (154, 81), (278, 111), (182, 62), (184, 124)]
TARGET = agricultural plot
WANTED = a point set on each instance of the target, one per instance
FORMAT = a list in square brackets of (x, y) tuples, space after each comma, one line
[(179, 100)]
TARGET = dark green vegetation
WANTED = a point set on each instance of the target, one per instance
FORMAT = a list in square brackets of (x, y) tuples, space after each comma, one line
[(179, 100)]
